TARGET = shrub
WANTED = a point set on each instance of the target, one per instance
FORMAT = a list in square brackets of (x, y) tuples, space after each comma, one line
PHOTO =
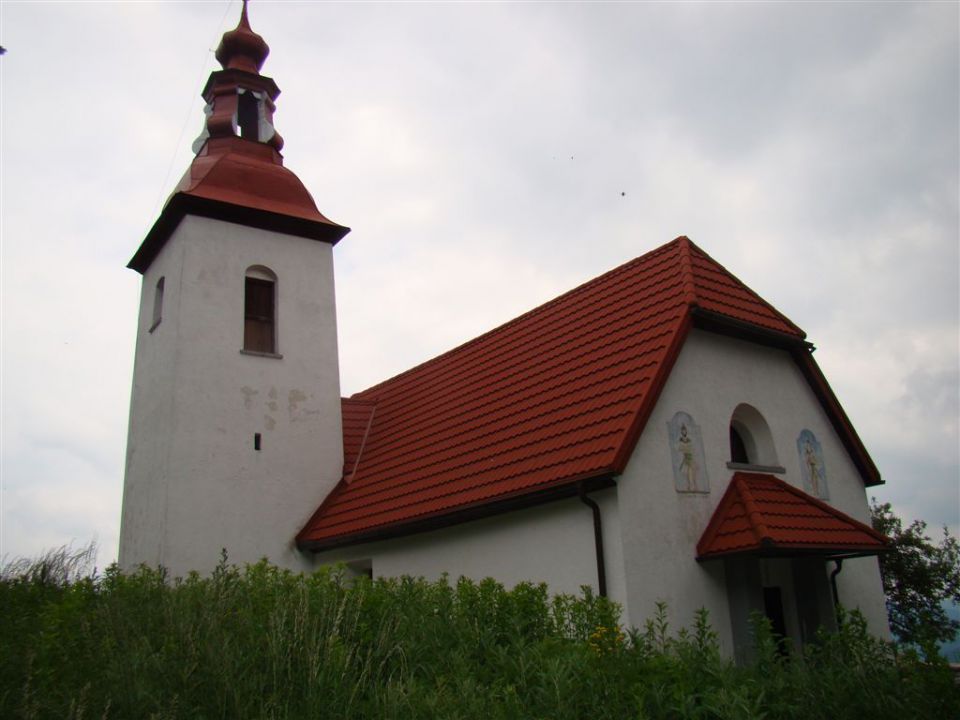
[(262, 642)]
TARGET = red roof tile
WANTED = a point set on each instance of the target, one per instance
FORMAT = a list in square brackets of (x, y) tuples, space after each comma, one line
[(762, 514), (717, 290), (357, 416), (555, 396)]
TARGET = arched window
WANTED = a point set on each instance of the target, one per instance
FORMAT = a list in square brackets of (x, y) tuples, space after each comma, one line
[(751, 442), (157, 305), (738, 448), (259, 310)]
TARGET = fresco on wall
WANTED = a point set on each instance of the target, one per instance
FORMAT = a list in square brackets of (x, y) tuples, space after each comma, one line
[(686, 448), (811, 464)]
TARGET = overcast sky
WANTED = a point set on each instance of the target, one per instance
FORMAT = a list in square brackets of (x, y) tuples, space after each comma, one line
[(489, 157)]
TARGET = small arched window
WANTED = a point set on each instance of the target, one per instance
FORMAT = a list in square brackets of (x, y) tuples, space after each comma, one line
[(738, 448), (259, 311), (157, 305), (751, 442)]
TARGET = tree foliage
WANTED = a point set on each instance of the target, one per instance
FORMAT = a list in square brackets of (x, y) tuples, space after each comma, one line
[(919, 576)]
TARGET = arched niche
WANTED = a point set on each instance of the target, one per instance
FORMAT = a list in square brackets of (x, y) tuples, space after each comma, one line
[(751, 442)]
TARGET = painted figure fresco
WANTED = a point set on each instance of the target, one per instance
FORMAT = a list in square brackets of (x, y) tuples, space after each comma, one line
[(686, 446), (811, 464)]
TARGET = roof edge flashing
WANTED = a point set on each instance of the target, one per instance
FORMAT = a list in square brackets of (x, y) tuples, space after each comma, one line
[(721, 324), (182, 204), (570, 489)]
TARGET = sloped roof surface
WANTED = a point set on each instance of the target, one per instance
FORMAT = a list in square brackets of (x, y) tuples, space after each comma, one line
[(762, 514), (555, 396), (715, 289), (248, 174), (357, 416)]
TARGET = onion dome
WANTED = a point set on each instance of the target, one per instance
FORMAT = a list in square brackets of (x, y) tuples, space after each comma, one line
[(241, 48)]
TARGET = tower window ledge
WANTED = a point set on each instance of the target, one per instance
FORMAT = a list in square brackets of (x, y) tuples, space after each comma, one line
[(752, 467), (276, 356)]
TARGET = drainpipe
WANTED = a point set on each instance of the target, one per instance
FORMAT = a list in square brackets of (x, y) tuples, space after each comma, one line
[(597, 540), (833, 586)]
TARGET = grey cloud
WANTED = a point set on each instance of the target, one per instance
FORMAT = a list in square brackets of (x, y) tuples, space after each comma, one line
[(811, 148)]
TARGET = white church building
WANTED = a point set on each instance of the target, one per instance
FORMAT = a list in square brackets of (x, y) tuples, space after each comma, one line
[(659, 433)]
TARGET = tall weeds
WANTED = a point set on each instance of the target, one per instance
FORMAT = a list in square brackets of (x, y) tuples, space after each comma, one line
[(262, 642)]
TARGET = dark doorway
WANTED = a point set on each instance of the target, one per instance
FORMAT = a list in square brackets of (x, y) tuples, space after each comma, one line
[(773, 609)]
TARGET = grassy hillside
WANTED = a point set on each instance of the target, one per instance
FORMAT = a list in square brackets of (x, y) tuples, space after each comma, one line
[(261, 642)]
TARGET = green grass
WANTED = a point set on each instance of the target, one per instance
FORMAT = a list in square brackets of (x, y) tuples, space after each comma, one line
[(261, 642)]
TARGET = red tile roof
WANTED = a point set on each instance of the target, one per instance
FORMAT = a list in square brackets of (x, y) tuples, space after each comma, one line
[(556, 396), (761, 514), (357, 417), (715, 289)]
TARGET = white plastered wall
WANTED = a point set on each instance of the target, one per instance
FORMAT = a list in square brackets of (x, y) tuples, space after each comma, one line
[(194, 482), (712, 375), (551, 543)]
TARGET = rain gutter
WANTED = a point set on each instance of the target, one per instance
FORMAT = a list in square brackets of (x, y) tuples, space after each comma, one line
[(597, 539), (833, 587)]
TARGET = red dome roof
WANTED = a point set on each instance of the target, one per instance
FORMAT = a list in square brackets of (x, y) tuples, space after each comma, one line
[(250, 174)]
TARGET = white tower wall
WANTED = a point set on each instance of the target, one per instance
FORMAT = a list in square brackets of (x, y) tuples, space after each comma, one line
[(194, 481)]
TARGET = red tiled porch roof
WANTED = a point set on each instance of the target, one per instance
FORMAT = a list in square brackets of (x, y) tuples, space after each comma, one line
[(761, 514), (556, 396)]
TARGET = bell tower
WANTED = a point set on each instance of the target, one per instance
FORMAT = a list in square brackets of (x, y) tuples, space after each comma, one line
[(235, 432)]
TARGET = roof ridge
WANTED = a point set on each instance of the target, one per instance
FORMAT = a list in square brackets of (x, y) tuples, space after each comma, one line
[(753, 512), (715, 523), (516, 320), (686, 270)]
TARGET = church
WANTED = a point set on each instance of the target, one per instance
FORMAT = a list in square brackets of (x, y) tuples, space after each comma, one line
[(659, 433)]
